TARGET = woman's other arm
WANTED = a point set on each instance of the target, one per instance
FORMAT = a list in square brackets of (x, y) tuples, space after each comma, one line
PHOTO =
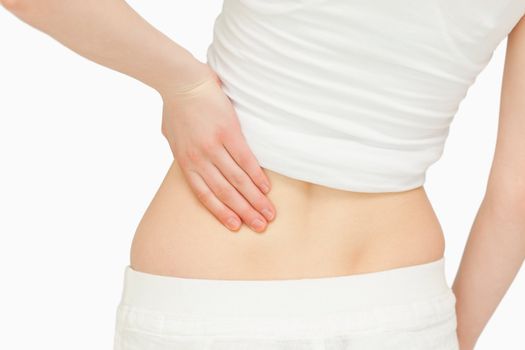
[(495, 249), (198, 119)]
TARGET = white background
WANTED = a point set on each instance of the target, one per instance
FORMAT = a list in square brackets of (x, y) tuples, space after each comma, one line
[(81, 156)]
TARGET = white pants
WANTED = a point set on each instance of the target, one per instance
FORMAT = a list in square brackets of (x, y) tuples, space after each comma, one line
[(407, 308)]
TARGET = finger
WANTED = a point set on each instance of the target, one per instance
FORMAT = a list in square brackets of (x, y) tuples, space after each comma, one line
[(229, 195), (242, 182), (239, 150), (206, 196)]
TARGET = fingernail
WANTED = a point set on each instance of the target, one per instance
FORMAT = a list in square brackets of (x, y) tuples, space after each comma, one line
[(257, 224), (233, 223), (267, 213), (265, 188)]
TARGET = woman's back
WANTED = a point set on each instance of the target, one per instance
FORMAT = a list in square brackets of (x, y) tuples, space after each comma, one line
[(318, 231), (345, 105)]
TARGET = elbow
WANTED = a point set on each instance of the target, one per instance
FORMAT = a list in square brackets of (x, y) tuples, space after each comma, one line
[(509, 199), (506, 186)]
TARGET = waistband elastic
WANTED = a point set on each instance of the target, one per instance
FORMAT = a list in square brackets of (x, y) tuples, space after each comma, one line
[(195, 297)]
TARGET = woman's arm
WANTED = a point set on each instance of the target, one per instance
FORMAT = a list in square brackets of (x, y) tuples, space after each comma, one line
[(495, 249), (112, 34), (198, 120)]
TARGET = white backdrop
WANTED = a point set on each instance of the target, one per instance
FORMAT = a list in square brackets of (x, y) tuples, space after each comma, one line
[(81, 156)]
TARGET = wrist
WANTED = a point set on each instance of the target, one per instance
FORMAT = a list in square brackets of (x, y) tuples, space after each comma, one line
[(190, 79), (196, 87)]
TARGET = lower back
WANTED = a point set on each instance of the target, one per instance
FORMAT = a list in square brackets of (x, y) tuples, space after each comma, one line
[(318, 231)]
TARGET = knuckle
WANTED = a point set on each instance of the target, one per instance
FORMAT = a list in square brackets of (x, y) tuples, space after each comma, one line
[(249, 214), (221, 133), (243, 158), (258, 205), (259, 177), (214, 152), (224, 193), (204, 196), (260, 202), (237, 179), (207, 146), (229, 134), (192, 154), (225, 216)]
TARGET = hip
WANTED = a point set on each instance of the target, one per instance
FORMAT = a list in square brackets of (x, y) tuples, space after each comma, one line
[(317, 232)]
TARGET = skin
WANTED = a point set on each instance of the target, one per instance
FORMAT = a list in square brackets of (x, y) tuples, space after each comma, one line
[(317, 231), (495, 248)]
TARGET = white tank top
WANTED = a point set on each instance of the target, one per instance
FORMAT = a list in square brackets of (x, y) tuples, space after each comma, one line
[(355, 95)]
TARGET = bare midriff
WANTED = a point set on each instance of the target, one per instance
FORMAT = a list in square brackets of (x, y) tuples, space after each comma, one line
[(318, 231)]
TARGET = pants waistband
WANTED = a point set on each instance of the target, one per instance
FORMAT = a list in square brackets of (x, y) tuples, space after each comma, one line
[(195, 297)]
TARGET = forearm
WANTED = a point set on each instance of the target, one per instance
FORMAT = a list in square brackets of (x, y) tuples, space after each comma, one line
[(494, 253), (112, 34)]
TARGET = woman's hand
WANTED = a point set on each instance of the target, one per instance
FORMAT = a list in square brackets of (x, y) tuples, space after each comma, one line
[(205, 138), (198, 121)]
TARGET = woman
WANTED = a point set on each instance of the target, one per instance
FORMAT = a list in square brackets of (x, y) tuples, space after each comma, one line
[(339, 107)]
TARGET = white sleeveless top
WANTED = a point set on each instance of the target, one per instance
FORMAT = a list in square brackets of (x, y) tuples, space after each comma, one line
[(355, 95)]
